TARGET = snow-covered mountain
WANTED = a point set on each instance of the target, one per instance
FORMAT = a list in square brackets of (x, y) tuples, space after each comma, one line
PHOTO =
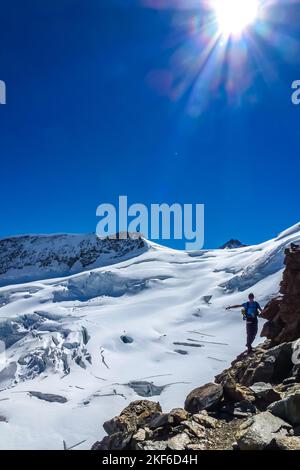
[(35, 257), (152, 323)]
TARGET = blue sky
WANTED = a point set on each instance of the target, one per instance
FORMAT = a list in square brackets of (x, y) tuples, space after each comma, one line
[(92, 113)]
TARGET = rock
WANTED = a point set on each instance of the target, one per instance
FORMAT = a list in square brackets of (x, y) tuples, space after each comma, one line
[(284, 316), (264, 394), (234, 391), (269, 365), (259, 431), (206, 421), (139, 436), (287, 409), (204, 398), (178, 442), (286, 443), (245, 406), (153, 445), (159, 420), (194, 428), (161, 433), (288, 390), (117, 441), (198, 446), (289, 380), (177, 415), (242, 409), (3, 419), (297, 430), (271, 309), (240, 414), (134, 415)]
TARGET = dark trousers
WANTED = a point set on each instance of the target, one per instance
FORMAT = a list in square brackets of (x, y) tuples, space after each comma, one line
[(251, 328)]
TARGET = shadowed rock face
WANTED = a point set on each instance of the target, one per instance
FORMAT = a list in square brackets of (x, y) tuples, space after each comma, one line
[(283, 314)]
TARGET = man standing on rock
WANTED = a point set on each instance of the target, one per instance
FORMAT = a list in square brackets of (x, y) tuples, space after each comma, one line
[(252, 309)]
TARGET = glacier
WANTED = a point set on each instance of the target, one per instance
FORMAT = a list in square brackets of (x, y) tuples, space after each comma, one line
[(135, 319)]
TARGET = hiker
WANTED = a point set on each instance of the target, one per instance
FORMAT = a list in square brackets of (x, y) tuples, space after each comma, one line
[(251, 311)]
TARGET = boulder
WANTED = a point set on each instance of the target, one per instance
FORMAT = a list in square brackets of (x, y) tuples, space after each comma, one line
[(242, 409), (178, 442), (177, 415), (138, 437), (194, 428), (259, 431), (206, 421), (264, 394), (287, 409), (136, 414), (117, 441), (206, 397), (152, 445), (159, 420)]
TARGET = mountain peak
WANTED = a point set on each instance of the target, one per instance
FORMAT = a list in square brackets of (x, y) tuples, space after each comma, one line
[(232, 243)]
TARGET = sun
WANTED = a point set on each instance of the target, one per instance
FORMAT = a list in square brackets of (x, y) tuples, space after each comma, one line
[(233, 16)]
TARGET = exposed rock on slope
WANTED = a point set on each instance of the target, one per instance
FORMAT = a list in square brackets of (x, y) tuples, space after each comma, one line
[(231, 244), (283, 314), (36, 257)]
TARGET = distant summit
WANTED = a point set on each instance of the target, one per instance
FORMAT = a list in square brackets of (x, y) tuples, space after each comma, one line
[(232, 244)]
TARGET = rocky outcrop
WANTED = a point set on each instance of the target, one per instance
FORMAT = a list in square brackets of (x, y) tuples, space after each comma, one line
[(122, 428), (268, 365), (283, 314), (143, 426)]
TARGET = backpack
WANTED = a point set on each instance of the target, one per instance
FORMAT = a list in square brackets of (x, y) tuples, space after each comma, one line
[(255, 313)]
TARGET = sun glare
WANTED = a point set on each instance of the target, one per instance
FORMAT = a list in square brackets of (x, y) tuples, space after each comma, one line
[(233, 16)]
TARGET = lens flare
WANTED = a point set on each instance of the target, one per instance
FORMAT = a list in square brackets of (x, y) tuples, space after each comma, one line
[(233, 16)]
